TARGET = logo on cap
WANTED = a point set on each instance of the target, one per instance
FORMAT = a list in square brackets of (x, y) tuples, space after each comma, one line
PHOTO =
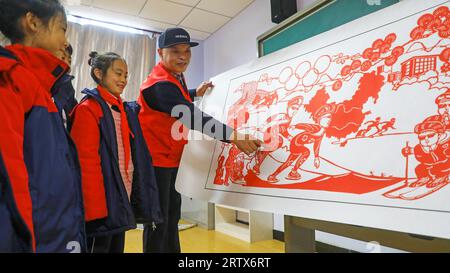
[(175, 36)]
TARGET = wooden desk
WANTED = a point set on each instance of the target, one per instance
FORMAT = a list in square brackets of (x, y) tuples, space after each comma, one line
[(299, 234)]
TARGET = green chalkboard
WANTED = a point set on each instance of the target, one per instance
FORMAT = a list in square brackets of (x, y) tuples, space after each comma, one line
[(327, 15)]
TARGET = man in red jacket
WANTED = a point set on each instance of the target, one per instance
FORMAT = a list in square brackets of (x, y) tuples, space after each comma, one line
[(164, 98)]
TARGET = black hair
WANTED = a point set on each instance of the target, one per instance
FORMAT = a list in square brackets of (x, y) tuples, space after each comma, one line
[(69, 50), (11, 11), (102, 62)]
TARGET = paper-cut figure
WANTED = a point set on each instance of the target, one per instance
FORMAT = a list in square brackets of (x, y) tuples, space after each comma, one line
[(218, 180), (380, 129), (385, 126), (266, 100), (312, 134), (434, 162), (443, 103), (372, 124), (276, 131), (238, 114), (234, 165), (433, 156)]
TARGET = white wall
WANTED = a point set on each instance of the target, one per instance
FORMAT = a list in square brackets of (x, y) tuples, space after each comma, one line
[(235, 43)]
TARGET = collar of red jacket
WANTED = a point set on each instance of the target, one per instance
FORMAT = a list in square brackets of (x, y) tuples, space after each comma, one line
[(108, 97), (46, 67), (160, 69)]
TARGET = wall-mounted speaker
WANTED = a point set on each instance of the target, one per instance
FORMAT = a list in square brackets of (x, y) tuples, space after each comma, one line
[(282, 9)]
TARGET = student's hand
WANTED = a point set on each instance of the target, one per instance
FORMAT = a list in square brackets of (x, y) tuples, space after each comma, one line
[(201, 90), (244, 142)]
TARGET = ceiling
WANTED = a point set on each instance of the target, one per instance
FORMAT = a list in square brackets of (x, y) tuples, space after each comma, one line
[(200, 18)]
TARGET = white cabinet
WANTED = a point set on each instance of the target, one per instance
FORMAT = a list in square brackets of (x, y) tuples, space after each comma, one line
[(260, 227)]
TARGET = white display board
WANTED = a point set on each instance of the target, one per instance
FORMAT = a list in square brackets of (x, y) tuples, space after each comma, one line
[(356, 124)]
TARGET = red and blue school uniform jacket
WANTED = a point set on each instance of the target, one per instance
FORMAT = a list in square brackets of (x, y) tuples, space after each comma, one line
[(64, 97), (108, 209), (44, 153), (15, 236), (11, 135)]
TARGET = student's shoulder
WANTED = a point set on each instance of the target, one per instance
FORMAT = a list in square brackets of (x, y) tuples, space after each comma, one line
[(89, 105), (161, 87), (21, 75), (27, 86)]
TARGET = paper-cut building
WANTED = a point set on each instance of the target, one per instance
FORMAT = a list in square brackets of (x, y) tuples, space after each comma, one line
[(419, 65)]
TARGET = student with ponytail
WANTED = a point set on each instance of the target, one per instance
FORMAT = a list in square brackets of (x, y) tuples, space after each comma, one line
[(118, 179)]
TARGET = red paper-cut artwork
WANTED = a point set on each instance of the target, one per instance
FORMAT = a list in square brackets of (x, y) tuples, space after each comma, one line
[(312, 115)]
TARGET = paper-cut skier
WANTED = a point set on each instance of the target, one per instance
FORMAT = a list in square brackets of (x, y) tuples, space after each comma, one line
[(385, 126), (312, 134), (238, 114), (370, 124), (276, 131), (267, 100), (434, 163), (431, 153), (443, 104)]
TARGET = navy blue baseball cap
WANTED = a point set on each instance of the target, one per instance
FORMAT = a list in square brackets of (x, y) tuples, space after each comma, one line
[(175, 36)]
